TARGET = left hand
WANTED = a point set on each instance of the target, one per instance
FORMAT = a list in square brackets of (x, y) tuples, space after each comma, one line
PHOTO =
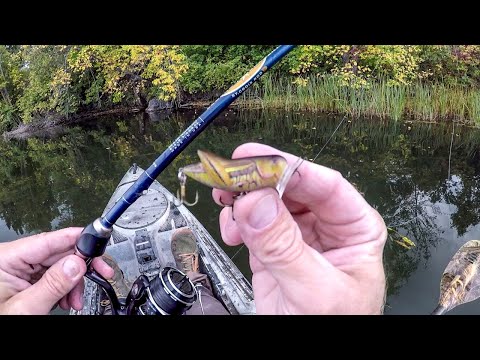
[(40, 271)]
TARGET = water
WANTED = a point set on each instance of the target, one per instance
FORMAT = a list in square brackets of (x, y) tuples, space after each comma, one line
[(402, 169)]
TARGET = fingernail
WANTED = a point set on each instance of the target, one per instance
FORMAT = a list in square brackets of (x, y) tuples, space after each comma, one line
[(263, 213), (70, 268)]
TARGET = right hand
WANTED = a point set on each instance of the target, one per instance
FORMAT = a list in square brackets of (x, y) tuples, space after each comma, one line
[(319, 251)]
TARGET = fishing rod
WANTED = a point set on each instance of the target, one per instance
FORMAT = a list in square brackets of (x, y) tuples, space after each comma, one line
[(94, 238)]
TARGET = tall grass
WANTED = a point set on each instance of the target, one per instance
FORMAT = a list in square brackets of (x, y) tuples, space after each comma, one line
[(420, 101)]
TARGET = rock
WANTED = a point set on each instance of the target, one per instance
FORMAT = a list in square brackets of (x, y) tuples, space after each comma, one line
[(158, 105), (156, 116)]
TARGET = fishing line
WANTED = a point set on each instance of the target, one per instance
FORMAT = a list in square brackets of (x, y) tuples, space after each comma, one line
[(237, 251), (450, 152), (330, 138)]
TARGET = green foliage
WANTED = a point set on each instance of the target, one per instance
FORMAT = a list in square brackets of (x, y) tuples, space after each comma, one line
[(10, 79), (428, 81), (45, 81), (7, 116), (451, 64), (356, 65), (128, 72), (217, 67), (38, 80), (362, 65)]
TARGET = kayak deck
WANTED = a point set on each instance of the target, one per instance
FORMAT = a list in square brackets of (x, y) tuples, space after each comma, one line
[(141, 245)]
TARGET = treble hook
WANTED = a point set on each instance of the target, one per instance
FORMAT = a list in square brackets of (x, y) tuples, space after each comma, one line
[(182, 196)]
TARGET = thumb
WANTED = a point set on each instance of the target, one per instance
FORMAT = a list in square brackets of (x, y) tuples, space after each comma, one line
[(57, 282), (273, 236)]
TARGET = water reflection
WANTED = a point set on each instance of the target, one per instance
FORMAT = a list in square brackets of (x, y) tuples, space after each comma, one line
[(402, 169)]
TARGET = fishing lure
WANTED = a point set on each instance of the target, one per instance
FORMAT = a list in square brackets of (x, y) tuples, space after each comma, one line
[(241, 175), (237, 175)]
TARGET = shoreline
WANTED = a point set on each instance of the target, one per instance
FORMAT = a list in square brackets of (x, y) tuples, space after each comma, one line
[(54, 122)]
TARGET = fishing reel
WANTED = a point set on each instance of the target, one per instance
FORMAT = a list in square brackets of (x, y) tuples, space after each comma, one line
[(170, 292)]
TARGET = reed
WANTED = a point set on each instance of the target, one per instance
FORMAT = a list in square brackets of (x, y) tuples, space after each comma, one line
[(474, 107), (419, 101)]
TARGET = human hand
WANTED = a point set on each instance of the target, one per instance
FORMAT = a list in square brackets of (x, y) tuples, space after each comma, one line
[(319, 251), (39, 271)]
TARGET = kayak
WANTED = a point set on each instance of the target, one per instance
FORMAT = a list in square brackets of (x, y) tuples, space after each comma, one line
[(141, 245)]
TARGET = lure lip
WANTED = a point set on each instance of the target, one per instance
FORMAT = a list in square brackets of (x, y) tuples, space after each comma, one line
[(193, 168)]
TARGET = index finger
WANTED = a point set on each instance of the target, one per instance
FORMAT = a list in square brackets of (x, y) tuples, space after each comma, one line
[(38, 248), (322, 190)]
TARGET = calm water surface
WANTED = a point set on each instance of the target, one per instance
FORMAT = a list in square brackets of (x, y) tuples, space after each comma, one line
[(403, 170)]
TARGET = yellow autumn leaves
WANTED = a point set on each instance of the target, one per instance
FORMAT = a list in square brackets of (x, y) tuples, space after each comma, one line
[(156, 67)]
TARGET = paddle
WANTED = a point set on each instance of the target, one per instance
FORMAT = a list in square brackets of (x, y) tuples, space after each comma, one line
[(460, 281)]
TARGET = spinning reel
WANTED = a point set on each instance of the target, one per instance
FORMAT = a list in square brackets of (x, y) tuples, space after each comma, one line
[(170, 292)]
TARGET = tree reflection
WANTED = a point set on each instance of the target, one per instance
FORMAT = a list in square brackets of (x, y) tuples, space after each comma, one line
[(401, 168)]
